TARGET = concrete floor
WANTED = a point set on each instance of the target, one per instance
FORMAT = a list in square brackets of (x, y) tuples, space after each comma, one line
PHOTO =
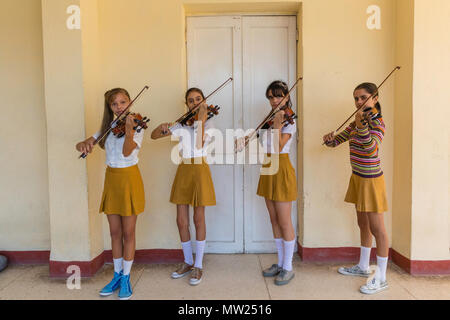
[(236, 277)]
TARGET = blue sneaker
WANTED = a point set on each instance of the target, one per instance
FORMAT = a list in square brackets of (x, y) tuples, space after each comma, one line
[(125, 292), (113, 285)]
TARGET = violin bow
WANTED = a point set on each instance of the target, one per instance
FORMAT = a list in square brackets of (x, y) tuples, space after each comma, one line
[(187, 114), (113, 123), (273, 111), (364, 104)]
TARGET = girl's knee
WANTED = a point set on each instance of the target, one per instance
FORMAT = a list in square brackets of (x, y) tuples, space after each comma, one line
[(199, 223), (274, 222), (378, 233), (377, 230), (129, 236), (116, 234), (182, 223), (285, 226)]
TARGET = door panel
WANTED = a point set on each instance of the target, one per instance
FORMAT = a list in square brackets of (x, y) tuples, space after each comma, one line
[(214, 55), (269, 53)]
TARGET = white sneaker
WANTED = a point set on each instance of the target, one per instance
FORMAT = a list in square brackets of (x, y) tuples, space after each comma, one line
[(354, 271), (374, 286)]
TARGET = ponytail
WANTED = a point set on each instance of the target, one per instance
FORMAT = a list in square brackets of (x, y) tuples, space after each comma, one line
[(378, 106)]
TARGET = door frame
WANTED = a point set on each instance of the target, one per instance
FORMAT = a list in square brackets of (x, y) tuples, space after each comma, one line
[(238, 74)]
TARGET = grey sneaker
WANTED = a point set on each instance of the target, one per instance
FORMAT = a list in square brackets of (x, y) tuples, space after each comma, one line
[(284, 277), (182, 271), (272, 271), (196, 276), (373, 286), (354, 271)]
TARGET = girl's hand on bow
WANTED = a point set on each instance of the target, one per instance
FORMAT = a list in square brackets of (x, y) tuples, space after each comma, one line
[(240, 144), (165, 128), (328, 138), (85, 146)]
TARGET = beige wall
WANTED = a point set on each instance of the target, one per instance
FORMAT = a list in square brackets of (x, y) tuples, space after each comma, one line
[(67, 77), (146, 49), (300, 129), (422, 216), (339, 52), (401, 220), (93, 107), (134, 43), (154, 54), (430, 153), (24, 215)]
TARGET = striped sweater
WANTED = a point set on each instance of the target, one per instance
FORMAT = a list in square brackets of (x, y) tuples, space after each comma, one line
[(364, 146)]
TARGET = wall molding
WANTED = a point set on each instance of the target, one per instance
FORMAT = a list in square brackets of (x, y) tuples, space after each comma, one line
[(338, 254), (351, 254), (326, 255), (421, 267), (57, 269)]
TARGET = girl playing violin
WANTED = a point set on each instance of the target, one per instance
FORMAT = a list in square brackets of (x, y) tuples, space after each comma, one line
[(193, 184), (366, 187), (123, 196), (280, 189)]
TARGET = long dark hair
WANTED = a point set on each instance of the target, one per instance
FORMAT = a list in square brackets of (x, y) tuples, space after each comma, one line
[(279, 89), (371, 88), (108, 114)]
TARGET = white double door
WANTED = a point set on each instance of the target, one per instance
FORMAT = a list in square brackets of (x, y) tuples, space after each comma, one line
[(254, 50)]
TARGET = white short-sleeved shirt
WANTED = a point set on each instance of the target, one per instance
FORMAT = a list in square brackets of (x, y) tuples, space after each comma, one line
[(187, 143), (267, 139), (114, 148)]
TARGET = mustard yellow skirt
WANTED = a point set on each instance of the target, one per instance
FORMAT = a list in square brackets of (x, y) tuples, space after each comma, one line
[(280, 185), (368, 194), (123, 193), (193, 184)]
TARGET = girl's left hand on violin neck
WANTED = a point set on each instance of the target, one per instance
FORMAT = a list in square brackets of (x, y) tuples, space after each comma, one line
[(362, 117), (203, 112), (130, 124), (278, 120)]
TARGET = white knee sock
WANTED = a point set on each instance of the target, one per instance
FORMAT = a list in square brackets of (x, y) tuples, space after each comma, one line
[(118, 265), (187, 252), (279, 244), (200, 248), (364, 258), (127, 267), (381, 270), (288, 254)]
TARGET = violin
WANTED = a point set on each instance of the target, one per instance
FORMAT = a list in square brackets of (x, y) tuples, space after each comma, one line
[(114, 124), (289, 117), (192, 115), (372, 114), (211, 111), (141, 124), (267, 123)]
